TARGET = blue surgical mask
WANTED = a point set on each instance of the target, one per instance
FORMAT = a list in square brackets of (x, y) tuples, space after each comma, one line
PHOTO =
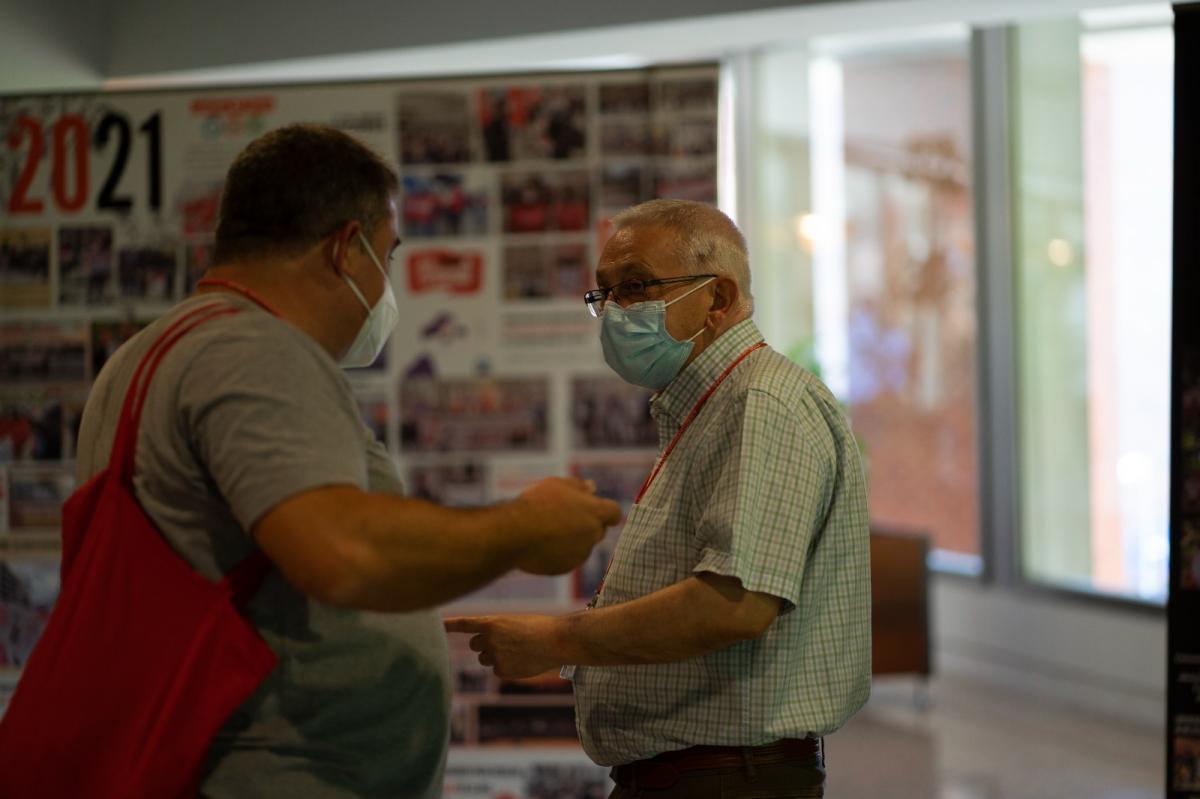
[(637, 345)]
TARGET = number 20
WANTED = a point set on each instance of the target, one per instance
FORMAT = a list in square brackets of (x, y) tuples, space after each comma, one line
[(72, 129)]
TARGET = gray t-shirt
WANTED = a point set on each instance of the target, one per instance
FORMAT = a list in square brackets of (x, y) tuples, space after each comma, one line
[(243, 413)]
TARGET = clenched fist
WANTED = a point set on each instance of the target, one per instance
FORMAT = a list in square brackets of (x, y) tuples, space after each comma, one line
[(566, 520)]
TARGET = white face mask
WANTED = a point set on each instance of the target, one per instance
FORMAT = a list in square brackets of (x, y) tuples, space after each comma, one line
[(380, 321)]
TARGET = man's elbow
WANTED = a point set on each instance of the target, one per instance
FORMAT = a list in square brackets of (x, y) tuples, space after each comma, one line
[(337, 577), (742, 614), (340, 581), (311, 540), (753, 615), (752, 624)]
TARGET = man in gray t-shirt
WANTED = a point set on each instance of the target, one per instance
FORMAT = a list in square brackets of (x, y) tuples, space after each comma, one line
[(251, 437)]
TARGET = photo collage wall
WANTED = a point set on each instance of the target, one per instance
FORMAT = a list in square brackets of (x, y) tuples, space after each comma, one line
[(493, 377)]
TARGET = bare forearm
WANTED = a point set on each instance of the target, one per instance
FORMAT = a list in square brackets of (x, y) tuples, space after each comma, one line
[(694, 617), (344, 546), (407, 554)]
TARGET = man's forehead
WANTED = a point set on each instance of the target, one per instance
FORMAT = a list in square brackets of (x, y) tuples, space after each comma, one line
[(630, 253)]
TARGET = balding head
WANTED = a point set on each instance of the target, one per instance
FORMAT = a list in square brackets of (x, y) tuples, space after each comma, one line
[(705, 241)]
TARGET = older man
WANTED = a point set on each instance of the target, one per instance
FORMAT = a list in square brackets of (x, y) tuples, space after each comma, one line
[(732, 630)]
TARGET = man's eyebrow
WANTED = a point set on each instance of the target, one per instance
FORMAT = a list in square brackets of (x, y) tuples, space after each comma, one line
[(628, 271)]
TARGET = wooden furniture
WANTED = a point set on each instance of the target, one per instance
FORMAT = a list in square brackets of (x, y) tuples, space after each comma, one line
[(900, 639)]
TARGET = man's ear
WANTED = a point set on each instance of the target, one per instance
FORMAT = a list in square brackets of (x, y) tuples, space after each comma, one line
[(725, 298), (338, 246)]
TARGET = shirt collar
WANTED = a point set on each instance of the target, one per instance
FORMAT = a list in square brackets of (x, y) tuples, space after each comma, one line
[(670, 406)]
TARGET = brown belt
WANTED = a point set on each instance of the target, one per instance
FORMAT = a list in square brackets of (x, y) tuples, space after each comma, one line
[(663, 771)]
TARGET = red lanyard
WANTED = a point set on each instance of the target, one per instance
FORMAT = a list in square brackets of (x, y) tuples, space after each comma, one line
[(245, 291), (678, 435), (691, 417)]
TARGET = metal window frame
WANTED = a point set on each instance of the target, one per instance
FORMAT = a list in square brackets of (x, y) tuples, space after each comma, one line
[(997, 375)]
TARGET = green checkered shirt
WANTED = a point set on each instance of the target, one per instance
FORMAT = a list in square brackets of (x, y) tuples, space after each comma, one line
[(765, 486)]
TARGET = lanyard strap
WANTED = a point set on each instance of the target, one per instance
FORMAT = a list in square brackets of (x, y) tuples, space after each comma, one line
[(245, 291), (678, 435), (691, 417)]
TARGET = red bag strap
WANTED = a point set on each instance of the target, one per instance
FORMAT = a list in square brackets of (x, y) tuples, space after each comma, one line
[(244, 579), (125, 440)]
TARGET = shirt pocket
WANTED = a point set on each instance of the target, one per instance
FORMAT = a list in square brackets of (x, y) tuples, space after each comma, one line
[(652, 553)]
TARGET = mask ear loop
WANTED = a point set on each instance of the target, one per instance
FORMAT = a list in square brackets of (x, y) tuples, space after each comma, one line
[(688, 293), (695, 335)]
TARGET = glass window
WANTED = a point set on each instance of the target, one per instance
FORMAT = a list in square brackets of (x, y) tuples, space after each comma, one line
[(1092, 161), (865, 201)]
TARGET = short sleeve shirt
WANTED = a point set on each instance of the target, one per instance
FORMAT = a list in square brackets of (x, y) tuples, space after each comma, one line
[(766, 485), (245, 412)]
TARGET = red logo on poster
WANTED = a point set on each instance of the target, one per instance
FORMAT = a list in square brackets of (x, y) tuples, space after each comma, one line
[(232, 116), (445, 270)]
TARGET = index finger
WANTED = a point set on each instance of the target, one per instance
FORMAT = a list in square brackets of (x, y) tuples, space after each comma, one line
[(464, 624)]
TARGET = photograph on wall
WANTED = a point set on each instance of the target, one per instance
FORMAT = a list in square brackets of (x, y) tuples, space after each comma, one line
[(197, 258), (474, 414), (199, 205), (108, 336), (536, 202), (1189, 555), (1185, 764), (435, 127), (443, 204), (525, 123), (25, 268), (510, 477), (36, 495), (558, 781), (43, 352), (518, 592), (519, 724), (625, 138), (625, 97), (1189, 440), (686, 94), (618, 479), (462, 484), (696, 183), (608, 413), (443, 327), (85, 265), (527, 772), (39, 423), (375, 409), (686, 138), (553, 335), (29, 586), (541, 271), (462, 727), (147, 272), (623, 185), (453, 271)]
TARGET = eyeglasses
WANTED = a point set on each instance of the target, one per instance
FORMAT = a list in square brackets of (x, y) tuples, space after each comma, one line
[(632, 290)]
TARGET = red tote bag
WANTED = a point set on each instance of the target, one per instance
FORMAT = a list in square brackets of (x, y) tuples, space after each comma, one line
[(142, 659)]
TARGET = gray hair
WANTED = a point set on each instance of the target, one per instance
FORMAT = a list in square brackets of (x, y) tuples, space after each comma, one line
[(706, 241)]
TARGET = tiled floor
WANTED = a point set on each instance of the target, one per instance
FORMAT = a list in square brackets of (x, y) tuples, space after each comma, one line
[(971, 742)]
